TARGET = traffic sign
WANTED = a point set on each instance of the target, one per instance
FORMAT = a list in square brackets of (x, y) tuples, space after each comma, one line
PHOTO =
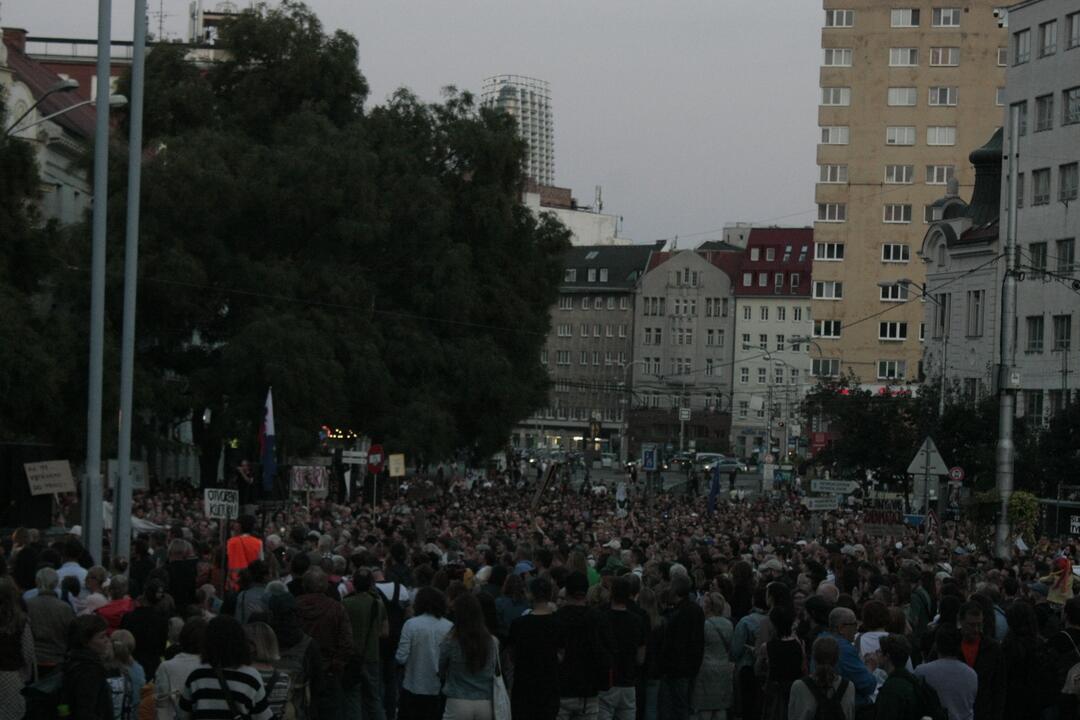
[(375, 458), (354, 457), (684, 414), (956, 474), (928, 460), (841, 487), (648, 457), (815, 504)]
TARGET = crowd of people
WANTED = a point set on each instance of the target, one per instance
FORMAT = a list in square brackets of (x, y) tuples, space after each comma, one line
[(482, 599)]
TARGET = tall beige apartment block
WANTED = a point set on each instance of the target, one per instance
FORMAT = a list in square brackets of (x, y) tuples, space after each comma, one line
[(908, 90)]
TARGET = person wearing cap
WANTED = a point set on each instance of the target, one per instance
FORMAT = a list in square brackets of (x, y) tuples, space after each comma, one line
[(586, 645)]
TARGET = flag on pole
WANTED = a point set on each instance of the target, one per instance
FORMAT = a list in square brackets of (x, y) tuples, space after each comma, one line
[(266, 443)]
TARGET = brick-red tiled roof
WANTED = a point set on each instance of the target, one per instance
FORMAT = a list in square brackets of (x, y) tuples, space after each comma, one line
[(39, 79)]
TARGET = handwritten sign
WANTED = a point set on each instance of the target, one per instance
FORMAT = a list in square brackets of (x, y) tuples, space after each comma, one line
[(46, 478), (221, 504), (308, 478), (397, 465)]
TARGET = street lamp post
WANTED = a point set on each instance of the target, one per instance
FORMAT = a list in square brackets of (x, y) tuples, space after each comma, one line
[(115, 101), (65, 85)]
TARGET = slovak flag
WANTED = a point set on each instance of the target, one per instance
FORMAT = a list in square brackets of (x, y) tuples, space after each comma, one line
[(266, 443)]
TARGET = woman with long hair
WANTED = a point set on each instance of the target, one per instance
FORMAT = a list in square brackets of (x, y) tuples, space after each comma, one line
[(467, 663), (714, 687), (17, 663), (225, 684), (511, 604), (265, 654), (786, 660), (649, 602), (418, 652), (823, 685)]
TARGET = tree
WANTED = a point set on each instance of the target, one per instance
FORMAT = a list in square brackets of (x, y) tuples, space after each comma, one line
[(377, 269)]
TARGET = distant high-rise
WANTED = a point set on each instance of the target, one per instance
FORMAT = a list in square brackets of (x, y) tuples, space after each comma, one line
[(529, 101)]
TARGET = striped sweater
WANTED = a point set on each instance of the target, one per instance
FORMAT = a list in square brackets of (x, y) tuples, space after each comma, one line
[(203, 697)]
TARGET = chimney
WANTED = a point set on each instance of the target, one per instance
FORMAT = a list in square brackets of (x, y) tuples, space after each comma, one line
[(16, 38)]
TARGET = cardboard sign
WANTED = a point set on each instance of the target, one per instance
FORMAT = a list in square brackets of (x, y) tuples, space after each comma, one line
[(140, 474), (308, 478), (397, 465), (221, 504), (46, 478)]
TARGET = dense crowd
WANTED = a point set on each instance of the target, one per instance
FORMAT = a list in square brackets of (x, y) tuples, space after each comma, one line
[(473, 598)]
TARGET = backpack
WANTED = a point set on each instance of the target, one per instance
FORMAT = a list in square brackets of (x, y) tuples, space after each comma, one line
[(929, 702), (45, 696), (828, 707), (291, 664), (279, 696)]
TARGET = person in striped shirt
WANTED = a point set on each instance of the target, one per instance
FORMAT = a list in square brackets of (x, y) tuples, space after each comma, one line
[(225, 686)]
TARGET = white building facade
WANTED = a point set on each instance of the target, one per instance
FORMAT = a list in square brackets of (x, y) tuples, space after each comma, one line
[(528, 100)]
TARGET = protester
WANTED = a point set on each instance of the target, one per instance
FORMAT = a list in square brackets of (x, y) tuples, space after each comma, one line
[(86, 691), (714, 685), (224, 685), (17, 660), (535, 639), (50, 618), (825, 686), (367, 618), (418, 652), (984, 655), (171, 674), (955, 683), (467, 657)]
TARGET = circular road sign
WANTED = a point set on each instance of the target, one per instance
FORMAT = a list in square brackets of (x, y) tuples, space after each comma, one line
[(956, 474)]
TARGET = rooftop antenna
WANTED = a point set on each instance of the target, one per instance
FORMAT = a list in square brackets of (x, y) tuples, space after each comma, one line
[(598, 203)]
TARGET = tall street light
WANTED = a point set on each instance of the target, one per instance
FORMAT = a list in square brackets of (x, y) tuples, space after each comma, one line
[(115, 101), (66, 85)]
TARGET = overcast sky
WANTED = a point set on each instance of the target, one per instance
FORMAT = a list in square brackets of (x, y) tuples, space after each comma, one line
[(689, 113)]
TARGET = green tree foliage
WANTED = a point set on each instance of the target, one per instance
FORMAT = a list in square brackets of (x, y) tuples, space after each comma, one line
[(377, 269)]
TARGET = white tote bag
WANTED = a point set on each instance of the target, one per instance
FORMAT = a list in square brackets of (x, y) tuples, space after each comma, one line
[(500, 698)]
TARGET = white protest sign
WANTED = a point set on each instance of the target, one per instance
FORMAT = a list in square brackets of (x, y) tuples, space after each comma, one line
[(221, 504), (397, 465), (46, 478)]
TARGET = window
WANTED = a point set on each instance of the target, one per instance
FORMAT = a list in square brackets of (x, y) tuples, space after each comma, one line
[(610, 301), (778, 375), (1033, 405), (976, 311), (569, 275), (895, 253), (1020, 110), (794, 282), (609, 358), (744, 375), (922, 332), (592, 274), (1070, 105), (903, 57), (598, 303), (902, 96), (833, 173), (562, 357), (1035, 328), (609, 331), (903, 135), (838, 96), (744, 407), (1040, 186), (797, 314), (1044, 112), (794, 376), (825, 367), (893, 293), (1019, 190), (1048, 38), (781, 314), (747, 312), (928, 213), (827, 328), (892, 331), (763, 341), (946, 17), (837, 57), (763, 279), (764, 312), (899, 174), (779, 343), (1067, 182), (835, 135), (942, 311), (942, 96), (944, 56), (1002, 56), (828, 251), (583, 359), (708, 366), (770, 254), (1021, 47), (710, 337), (565, 330), (831, 212), (828, 290), (755, 254), (839, 18), (1066, 255), (762, 375), (904, 17), (747, 279), (940, 135), (720, 338), (891, 369), (624, 303), (999, 97), (1037, 252), (585, 331), (585, 304), (597, 330), (566, 302), (1062, 332), (897, 213), (1072, 29), (778, 282), (543, 357), (939, 174)]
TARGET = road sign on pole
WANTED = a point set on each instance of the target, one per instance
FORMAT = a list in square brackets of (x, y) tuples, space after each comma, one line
[(816, 504), (648, 457), (928, 460), (684, 414), (956, 474)]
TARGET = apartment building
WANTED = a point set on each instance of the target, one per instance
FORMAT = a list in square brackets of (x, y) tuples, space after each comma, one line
[(772, 359), (683, 348), (528, 100), (589, 351), (907, 89)]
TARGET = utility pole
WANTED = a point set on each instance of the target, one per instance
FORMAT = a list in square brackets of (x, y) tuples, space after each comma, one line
[(1006, 449), (121, 546), (92, 519)]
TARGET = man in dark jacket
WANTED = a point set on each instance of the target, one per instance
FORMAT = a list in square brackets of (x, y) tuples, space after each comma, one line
[(324, 619), (899, 697), (85, 689), (586, 644), (983, 654), (682, 651)]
